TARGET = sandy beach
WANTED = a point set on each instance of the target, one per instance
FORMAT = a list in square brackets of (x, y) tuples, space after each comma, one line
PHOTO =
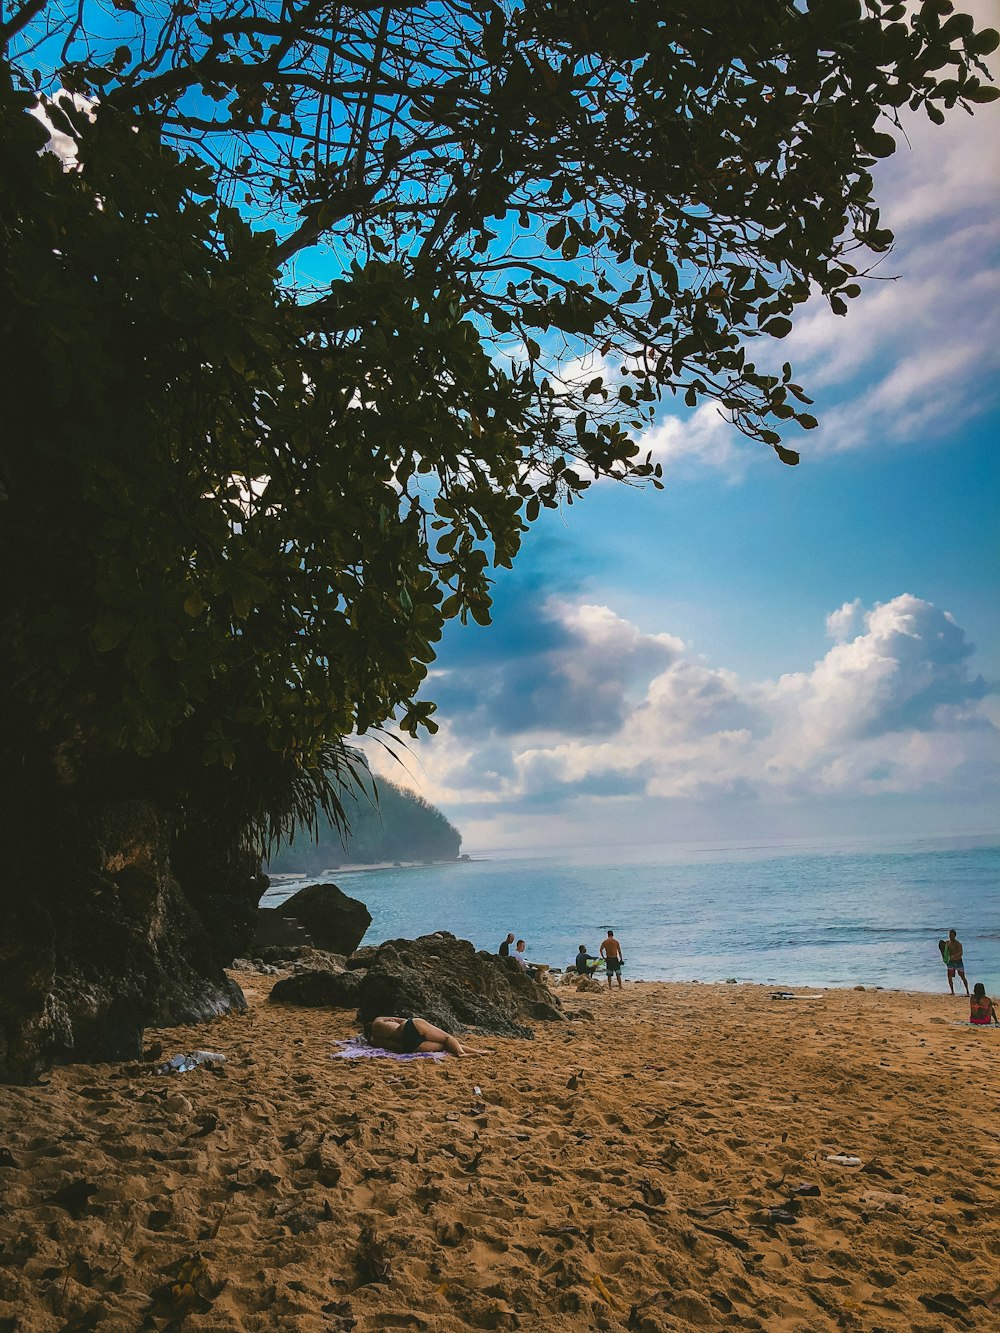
[(659, 1161)]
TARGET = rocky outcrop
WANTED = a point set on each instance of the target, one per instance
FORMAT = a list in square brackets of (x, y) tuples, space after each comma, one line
[(333, 920), (362, 958), (277, 929), (296, 957), (88, 958), (316, 987), (446, 981)]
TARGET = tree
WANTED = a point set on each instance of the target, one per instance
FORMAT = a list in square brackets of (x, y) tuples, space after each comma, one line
[(291, 352)]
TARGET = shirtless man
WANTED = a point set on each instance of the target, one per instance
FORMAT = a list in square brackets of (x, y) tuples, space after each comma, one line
[(611, 952), (955, 962), (406, 1036)]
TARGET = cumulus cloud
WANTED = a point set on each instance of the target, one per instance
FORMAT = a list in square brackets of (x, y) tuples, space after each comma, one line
[(605, 712), (567, 668), (843, 622)]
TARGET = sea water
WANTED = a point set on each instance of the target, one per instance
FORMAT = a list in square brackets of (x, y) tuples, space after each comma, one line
[(793, 914)]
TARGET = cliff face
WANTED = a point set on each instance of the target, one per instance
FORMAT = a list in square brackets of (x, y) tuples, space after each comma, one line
[(392, 824), (88, 958)]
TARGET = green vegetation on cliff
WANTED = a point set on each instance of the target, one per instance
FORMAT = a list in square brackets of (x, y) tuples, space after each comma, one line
[(397, 825)]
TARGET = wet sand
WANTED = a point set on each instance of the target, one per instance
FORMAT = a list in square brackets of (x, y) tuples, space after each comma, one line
[(657, 1162)]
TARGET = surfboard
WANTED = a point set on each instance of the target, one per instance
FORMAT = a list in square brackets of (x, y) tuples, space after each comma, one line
[(945, 950)]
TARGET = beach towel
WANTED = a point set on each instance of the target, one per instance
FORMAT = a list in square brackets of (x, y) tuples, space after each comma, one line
[(356, 1048)]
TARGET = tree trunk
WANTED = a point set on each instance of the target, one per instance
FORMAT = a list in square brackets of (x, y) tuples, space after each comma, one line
[(100, 937)]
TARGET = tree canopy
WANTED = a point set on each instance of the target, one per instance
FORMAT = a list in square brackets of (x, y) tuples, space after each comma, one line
[(333, 299)]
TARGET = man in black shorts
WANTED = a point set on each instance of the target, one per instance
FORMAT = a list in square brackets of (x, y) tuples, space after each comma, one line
[(611, 952), (956, 962)]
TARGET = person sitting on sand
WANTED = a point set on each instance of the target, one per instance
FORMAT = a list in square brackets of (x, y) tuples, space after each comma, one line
[(955, 962), (517, 953), (585, 961), (983, 1009), (408, 1036), (611, 952), (504, 950)]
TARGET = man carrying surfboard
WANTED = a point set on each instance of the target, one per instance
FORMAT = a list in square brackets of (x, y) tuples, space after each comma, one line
[(951, 952)]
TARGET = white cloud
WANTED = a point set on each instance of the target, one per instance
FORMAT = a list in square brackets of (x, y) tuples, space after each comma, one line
[(72, 105), (842, 623), (891, 708), (919, 350), (704, 438)]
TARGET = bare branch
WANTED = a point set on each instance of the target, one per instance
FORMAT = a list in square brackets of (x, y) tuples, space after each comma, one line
[(20, 20)]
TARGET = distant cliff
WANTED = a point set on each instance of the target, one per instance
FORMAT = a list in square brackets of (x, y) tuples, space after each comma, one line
[(398, 825)]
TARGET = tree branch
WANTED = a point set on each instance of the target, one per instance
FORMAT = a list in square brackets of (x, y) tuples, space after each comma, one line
[(20, 20)]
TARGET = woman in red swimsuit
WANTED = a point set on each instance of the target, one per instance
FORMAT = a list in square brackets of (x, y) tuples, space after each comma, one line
[(983, 1010)]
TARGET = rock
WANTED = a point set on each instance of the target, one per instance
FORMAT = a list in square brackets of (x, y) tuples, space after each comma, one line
[(277, 928), (296, 957), (316, 988), (117, 932), (361, 958), (280, 954), (334, 921), (446, 981), (310, 958), (589, 984)]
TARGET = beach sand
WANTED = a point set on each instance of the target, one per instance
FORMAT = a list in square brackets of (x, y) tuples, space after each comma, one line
[(621, 1171)]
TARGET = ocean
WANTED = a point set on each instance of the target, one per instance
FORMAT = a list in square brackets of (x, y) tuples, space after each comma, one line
[(791, 914)]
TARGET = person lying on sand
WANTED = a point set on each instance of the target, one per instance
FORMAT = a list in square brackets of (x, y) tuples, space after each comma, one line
[(983, 1008), (406, 1036)]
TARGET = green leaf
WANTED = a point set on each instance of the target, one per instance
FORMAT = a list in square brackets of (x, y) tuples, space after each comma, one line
[(779, 327), (880, 145), (194, 604), (555, 235), (788, 456), (110, 631), (985, 42)]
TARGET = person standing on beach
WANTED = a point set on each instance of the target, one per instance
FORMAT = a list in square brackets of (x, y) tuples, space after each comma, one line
[(955, 962), (504, 950), (611, 952)]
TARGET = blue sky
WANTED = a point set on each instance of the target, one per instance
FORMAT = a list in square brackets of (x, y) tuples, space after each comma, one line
[(764, 652), (761, 651)]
